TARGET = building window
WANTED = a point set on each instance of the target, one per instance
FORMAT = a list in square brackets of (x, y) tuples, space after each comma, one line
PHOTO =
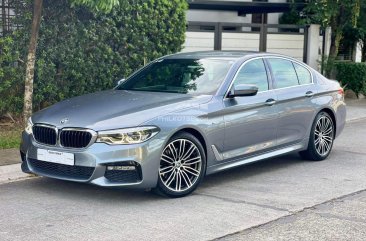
[(7, 15)]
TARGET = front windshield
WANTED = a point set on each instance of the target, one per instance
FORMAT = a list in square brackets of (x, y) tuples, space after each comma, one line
[(186, 76)]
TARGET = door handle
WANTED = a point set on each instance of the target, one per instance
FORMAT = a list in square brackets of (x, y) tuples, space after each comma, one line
[(309, 94), (270, 102)]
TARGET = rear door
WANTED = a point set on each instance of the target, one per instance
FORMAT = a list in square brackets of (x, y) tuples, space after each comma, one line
[(250, 121), (294, 88)]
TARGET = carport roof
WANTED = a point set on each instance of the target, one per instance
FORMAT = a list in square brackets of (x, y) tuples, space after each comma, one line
[(244, 7)]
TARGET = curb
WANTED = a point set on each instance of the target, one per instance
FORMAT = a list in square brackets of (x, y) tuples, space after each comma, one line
[(13, 173)]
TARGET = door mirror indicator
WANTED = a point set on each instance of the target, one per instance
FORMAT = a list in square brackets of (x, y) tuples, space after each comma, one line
[(121, 81)]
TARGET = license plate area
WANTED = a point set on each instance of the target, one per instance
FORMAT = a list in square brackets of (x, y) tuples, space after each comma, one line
[(56, 157)]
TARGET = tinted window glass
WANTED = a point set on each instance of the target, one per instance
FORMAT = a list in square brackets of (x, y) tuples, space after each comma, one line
[(186, 76), (254, 73), (284, 73), (303, 74)]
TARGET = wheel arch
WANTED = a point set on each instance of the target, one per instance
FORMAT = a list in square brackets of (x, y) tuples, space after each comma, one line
[(196, 134)]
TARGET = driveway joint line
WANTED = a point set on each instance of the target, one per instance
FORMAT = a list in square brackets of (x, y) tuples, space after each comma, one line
[(355, 120), (244, 202), (303, 210), (352, 152)]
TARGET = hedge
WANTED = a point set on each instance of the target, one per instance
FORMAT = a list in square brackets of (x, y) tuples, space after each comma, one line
[(352, 76), (81, 52)]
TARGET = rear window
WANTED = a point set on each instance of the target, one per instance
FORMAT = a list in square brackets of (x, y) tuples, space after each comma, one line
[(284, 73)]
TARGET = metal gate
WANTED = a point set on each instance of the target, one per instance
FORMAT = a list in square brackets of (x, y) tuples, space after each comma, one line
[(290, 40)]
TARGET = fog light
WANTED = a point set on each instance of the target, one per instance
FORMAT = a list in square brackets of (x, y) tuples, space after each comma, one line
[(121, 168)]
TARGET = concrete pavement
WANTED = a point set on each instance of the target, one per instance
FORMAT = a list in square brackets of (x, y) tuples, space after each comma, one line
[(284, 198), (340, 219), (9, 156), (11, 173), (356, 109)]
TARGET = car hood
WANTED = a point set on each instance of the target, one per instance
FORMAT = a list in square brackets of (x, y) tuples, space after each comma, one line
[(114, 109)]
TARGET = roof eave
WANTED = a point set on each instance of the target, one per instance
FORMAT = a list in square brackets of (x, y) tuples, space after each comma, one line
[(245, 7)]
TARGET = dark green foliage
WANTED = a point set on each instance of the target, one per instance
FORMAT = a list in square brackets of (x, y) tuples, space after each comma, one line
[(293, 16), (80, 52), (99, 5), (10, 100), (352, 76)]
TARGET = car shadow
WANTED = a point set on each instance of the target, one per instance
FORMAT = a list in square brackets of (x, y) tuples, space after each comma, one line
[(74, 190), (252, 169)]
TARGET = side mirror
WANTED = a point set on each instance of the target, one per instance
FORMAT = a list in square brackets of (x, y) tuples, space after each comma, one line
[(120, 81), (243, 90)]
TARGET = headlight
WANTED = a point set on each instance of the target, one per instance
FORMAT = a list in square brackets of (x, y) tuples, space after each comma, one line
[(29, 126), (128, 135)]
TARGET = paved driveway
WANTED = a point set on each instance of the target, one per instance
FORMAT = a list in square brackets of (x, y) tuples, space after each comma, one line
[(226, 203)]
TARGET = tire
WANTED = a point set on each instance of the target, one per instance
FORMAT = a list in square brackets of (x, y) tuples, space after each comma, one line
[(321, 138), (182, 166)]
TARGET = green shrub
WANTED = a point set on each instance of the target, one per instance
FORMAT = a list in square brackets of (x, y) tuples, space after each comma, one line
[(80, 52), (352, 75), (10, 99)]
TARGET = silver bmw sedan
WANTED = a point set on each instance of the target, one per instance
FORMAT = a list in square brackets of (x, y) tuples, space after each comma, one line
[(184, 116)]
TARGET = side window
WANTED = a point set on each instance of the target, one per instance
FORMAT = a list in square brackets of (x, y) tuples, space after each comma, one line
[(284, 73), (253, 73), (303, 74)]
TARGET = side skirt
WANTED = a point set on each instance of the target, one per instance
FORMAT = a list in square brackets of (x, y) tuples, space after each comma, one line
[(238, 162)]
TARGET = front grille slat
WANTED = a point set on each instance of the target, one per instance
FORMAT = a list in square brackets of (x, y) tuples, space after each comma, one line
[(45, 135), (71, 138), (60, 170), (75, 138)]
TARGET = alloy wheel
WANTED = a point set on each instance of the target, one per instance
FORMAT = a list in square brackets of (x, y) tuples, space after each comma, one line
[(324, 135), (180, 165)]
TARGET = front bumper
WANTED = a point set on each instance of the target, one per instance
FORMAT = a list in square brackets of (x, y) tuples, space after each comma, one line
[(91, 164)]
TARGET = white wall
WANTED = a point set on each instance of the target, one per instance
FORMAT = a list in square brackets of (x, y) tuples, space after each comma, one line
[(287, 44), (358, 53), (198, 41), (314, 46), (240, 41)]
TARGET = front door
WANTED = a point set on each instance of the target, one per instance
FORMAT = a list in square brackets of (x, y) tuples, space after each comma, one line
[(250, 121)]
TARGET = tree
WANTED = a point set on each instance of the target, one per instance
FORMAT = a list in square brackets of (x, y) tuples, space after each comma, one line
[(29, 75), (97, 5), (335, 14), (294, 15)]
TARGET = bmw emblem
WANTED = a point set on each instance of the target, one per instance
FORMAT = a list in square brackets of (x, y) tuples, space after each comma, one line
[(64, 120)]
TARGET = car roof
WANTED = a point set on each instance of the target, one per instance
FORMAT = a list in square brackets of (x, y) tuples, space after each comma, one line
[(211, 54)]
